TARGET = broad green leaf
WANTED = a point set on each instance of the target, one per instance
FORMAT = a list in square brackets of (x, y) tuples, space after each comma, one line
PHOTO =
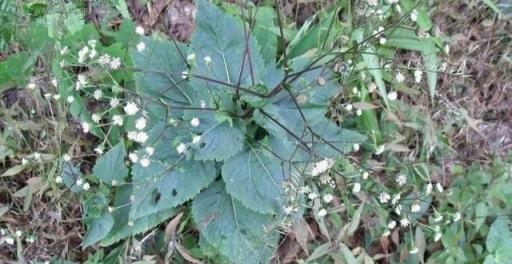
[(122, 227), (99, 230), (163, 185), (221, 138), (498, 233), (158, 75), (238, 233), (267, 40), (221, 37), (480, 214), (255, 178), (423, 20), (111, 166)]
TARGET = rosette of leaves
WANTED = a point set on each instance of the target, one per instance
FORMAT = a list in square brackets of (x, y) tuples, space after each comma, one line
[(260, 129)]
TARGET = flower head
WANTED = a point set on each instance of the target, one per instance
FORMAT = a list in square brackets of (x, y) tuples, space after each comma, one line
[(140, 123), (384, 197), (131, 108), (401, 180), (195, 122), (139, 30), (181, 148), (115, 63), (141, 46)]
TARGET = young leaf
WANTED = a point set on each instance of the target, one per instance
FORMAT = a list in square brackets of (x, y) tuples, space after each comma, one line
[(238, 233), (256, 179), (99, 230), (111, 167)]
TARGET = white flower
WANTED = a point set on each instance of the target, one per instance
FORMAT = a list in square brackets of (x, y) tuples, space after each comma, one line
[(322, 213), (58, 179), (372, 87), (195, 122), (79, 182), (386, 233), (398, 9), (114, 102), (97, 94), (144, 162), (181, 148), (196, 139), (141, 137), (62, 63), (70, 99), (415, 208), (82, 79), (31, 86), (401, 180), (24, 161), (372, 2), (418, 75), (392, 96), (202, 104), (54, 82), (400, 77), (359, 112), (130, 223), (92, 43), (85, 127), (86, 186), (114, 183), (355, 147), (95, 118), (404, 222), (349, 107), (141, 46), (184, 74), (66, 157), (447, 49), (140, 123), (380, 150), (438, 218), (149, 150), (328, 198), (132, 135), (304, 189), (414, 250), (9, 240), (133, 157), (365, 175), (398, 209), (93, 54), (139, 30), (392, 224), (131, 108), (321, 167), (207, 60), (99, 150), (355, 90), (115, 63), (312, 195), (382, 41), (56, 97), (117, 120), (64, 51), (384, 197), (414, 15), (356, 188), (395, 199), (82, 54), (428, 189), (437, 237), (191, 57), (439, 187), (456, 217), (18, 233), (37, 156), (288, 209), (47, 95), (104, 59)]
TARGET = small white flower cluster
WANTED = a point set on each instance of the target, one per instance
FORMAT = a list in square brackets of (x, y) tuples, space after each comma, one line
[(380, 34), (144, 161), (321, 167)]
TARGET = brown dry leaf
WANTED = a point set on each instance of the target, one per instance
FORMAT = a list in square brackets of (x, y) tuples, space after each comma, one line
[(397, 148), (303, 234), (186, 255), (170, 229), (364, 106)]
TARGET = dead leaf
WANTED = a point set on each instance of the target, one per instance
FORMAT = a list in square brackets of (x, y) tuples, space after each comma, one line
[(364, 106), (170, 229), (186, 255)]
